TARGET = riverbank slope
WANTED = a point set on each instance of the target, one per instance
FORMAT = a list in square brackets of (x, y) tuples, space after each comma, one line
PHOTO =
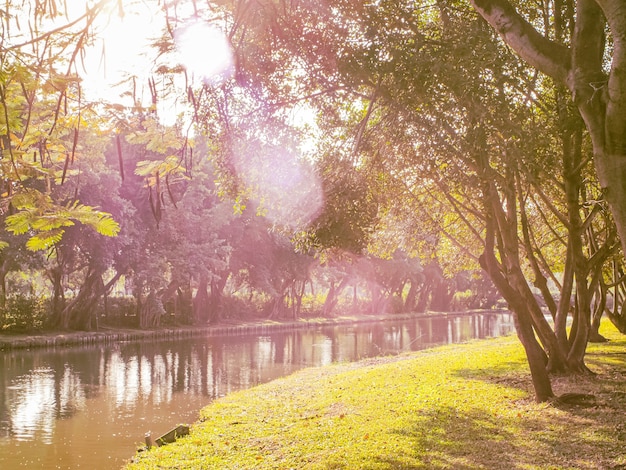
[(459, 406)]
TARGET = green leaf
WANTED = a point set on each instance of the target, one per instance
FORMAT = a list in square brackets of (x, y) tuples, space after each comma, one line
[(19, 223), (50, 222), (44, 240), (38, 214), (146, 167), (108, 227)]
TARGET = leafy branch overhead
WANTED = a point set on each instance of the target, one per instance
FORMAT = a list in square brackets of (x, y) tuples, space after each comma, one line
[(46, 221)]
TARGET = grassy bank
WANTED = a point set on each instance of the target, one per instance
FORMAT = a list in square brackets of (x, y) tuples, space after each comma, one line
[(461, 406)]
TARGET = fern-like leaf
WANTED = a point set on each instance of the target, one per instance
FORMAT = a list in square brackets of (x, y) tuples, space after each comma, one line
[(37, 213), (44, 240), (19, 223)]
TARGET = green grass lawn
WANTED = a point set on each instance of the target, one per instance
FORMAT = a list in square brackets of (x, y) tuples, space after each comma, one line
[(460, 406)]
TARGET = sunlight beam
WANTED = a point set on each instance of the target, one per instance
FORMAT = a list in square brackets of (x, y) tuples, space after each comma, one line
[(204, 51)]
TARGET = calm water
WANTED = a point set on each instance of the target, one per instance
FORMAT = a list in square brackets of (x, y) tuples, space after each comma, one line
[(90, 407)]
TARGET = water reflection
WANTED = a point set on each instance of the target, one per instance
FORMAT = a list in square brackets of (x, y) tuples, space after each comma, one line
[(90, 407)]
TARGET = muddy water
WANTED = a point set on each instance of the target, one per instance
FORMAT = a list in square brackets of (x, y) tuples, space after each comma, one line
[(90, 407)]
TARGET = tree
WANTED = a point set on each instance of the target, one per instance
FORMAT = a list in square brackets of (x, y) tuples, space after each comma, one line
[(40, 119), (573, 48), (198, 252), (264, 260), (390, 83)]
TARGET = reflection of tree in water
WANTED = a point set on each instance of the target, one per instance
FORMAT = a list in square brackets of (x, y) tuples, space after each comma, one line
[(35, 392), (58, 384)]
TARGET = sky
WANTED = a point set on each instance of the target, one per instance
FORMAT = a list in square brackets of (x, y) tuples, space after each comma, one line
[(122, 48)]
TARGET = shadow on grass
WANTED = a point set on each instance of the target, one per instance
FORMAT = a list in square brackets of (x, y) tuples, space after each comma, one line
[(513, 374), (445, 440), (478, 440), (589, 435)]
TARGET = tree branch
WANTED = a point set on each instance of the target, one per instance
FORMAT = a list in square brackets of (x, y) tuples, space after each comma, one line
[(549, 57)]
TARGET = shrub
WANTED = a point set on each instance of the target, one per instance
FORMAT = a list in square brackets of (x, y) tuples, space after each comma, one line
[(236, 308), (120, 312), (23, 314)]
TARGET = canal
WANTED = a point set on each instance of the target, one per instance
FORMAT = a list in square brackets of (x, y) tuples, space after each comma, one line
[(90, 407)]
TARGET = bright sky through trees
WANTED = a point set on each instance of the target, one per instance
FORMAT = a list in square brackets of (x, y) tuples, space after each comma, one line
[(120, 50), (204, 51)]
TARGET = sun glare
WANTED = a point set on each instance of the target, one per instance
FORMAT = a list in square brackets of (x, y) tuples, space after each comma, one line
[(120, 50), (291, 191), (204, 51)]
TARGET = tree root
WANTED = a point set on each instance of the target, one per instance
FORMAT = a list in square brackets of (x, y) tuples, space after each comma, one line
[(574, 399)]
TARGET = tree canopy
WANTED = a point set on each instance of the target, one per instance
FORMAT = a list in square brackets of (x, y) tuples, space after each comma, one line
[(412, 149)]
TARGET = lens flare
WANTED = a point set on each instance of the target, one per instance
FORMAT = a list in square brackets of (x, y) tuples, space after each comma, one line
[(204, 51), (290, 191)]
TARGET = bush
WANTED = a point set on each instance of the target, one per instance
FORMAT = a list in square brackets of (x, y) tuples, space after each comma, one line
[(312, 305), (23, 314), (465, 300), (121, 312), (235, 308)]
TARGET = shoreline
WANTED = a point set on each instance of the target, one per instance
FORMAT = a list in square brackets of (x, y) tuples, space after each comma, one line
[(9, 342), (455, 406)]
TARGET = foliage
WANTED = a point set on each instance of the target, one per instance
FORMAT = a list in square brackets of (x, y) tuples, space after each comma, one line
[(348, 131), (37, 213), (350, 211), (466, 167), (24, 314), (582, 50), (42, 120)]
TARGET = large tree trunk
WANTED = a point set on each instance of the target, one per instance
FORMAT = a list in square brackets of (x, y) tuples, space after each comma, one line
[(4, 270), (79, 314), (332, 297), (57, 304), (297, 292), (601, 99), (378, 304), (515, 285), (617, 312), (442, 295), (572, 159), (599, 306), (201, 302), (537, 359), (215, 299), (276, 307), (564, 307), (416, 281), (508, 277)]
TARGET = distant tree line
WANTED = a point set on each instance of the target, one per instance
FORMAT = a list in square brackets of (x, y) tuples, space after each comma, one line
[(186, 256)]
